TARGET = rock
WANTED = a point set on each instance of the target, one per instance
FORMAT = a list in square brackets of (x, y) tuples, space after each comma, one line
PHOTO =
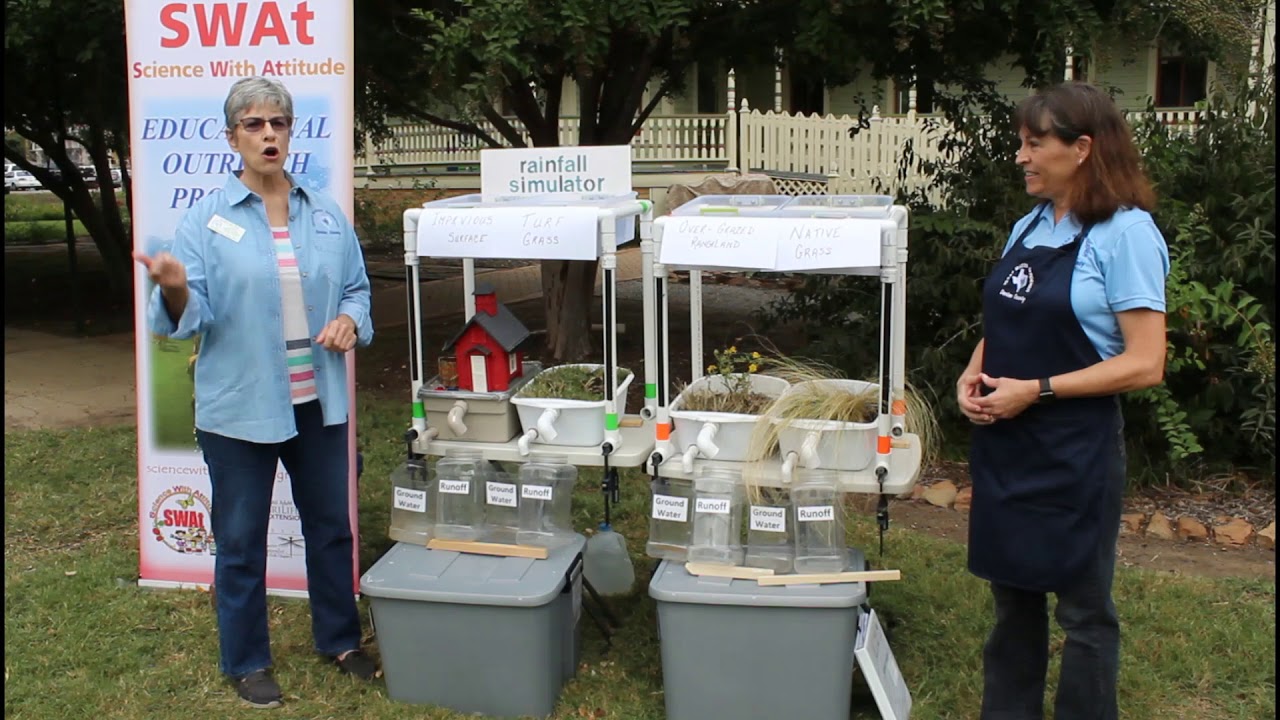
[(1267, 536), (941, 494), (964, 499), (1131, 523), (1192, 529), (1234, 532), (1159, 526)]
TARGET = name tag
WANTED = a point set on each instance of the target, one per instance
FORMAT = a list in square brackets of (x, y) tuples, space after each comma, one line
[(226, 228)]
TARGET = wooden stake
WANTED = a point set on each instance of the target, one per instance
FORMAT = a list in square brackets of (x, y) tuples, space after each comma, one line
[(828, 578), (727, 571), (483, 548)]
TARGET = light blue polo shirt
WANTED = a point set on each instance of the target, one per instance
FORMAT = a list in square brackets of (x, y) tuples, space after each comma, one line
[(1122, 266)]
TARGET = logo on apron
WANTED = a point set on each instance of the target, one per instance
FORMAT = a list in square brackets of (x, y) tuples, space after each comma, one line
[(1019, 283)]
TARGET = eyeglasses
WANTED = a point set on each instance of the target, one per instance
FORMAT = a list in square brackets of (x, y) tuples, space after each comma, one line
[(255, 125)]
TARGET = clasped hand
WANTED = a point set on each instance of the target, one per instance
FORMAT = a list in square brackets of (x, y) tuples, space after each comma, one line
[(1007, 399)]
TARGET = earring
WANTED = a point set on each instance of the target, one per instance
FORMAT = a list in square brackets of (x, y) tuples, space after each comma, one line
[(1080, 161)]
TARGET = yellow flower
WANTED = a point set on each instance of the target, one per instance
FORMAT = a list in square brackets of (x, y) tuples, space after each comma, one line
[(755, 355), (733, 348), (752, 367), (711, 368)]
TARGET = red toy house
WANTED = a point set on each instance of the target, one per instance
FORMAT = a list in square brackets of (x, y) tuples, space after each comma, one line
[(487, 348)]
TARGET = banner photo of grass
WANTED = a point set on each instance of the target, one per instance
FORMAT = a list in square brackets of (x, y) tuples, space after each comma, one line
[(173, 399)]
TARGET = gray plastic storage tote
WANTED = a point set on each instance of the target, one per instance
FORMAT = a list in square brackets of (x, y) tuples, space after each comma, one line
[(733, 650), (497, 636)]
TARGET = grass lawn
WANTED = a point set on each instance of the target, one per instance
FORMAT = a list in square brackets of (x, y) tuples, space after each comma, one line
[(33, 232), (83, 641), (173, 414)]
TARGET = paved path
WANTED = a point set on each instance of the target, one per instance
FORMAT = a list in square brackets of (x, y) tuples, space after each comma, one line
[(53, 381)]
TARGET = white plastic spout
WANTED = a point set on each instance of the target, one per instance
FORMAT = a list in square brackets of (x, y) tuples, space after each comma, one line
[(429, 434), (809, 451), (522, 445), (454, 419), (788, 468), (686, 460), (546, 424), (705, 439)]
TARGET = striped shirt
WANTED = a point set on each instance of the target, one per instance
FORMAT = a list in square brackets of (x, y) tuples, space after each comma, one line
[(297, 336)]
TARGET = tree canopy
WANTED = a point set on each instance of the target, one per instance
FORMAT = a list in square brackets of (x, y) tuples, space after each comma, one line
[(64, 79)]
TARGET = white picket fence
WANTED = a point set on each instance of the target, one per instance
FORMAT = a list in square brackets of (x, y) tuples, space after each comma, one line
[(677, 139), (817, 148)]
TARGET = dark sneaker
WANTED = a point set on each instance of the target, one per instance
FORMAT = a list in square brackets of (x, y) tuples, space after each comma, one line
[(358, 664), (259, 690)]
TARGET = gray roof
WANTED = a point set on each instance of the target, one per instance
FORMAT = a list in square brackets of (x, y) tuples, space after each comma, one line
[(504, 327)]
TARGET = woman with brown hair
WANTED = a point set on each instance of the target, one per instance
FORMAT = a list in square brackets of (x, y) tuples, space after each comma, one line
[(1073, 315)]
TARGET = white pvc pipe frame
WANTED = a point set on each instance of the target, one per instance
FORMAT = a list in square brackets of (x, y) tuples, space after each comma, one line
[(608, 217), (893, 277)]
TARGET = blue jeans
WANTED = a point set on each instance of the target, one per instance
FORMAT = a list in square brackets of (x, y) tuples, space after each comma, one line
[(243, 476), (1016, 656)]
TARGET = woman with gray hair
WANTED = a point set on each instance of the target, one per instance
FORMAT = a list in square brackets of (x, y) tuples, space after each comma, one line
[(270, 275)]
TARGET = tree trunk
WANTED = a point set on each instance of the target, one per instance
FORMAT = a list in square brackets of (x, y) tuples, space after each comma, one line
[(568, 292)]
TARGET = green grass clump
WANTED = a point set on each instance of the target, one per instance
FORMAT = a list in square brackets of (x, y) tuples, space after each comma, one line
[(569, 382)]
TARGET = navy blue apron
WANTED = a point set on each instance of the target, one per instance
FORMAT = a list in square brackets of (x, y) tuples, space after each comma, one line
[(1038, 478)]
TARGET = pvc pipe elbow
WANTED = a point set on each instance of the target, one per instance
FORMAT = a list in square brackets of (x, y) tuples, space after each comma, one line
[(809, 451), (704, 441), (686, 460), (788, 468), (429, 434), (522, 445), (454, 419), (546, 424), (648, 412)]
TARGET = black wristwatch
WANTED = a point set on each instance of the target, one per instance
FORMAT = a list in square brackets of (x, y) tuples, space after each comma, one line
[(1046, 391)]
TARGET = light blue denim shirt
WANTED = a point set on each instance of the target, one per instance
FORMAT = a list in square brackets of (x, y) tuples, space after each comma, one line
[(234, 303)]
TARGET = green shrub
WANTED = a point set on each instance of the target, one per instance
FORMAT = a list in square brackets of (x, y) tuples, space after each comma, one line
[(1217, 209)]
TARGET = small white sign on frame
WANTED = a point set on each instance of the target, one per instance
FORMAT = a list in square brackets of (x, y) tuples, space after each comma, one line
[(829, 244), (534, 233), (729, 242)]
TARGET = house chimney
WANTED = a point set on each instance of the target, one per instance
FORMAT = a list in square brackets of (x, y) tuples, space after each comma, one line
[(486, 299)]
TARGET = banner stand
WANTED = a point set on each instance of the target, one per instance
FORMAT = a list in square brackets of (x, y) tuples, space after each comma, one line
[(182, 60)]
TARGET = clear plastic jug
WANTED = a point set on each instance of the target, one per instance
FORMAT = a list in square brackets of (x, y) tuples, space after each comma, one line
[(769, 527), (606, 564), (460, 488), (546, 501), (718, 497), (670, 519), (819, 523), (501, 508), (412, 517)]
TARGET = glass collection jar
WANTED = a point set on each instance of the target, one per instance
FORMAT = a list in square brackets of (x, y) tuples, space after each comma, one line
[(718, 498), (546, 495), (412, 515), (819, 523), (461, 478)]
